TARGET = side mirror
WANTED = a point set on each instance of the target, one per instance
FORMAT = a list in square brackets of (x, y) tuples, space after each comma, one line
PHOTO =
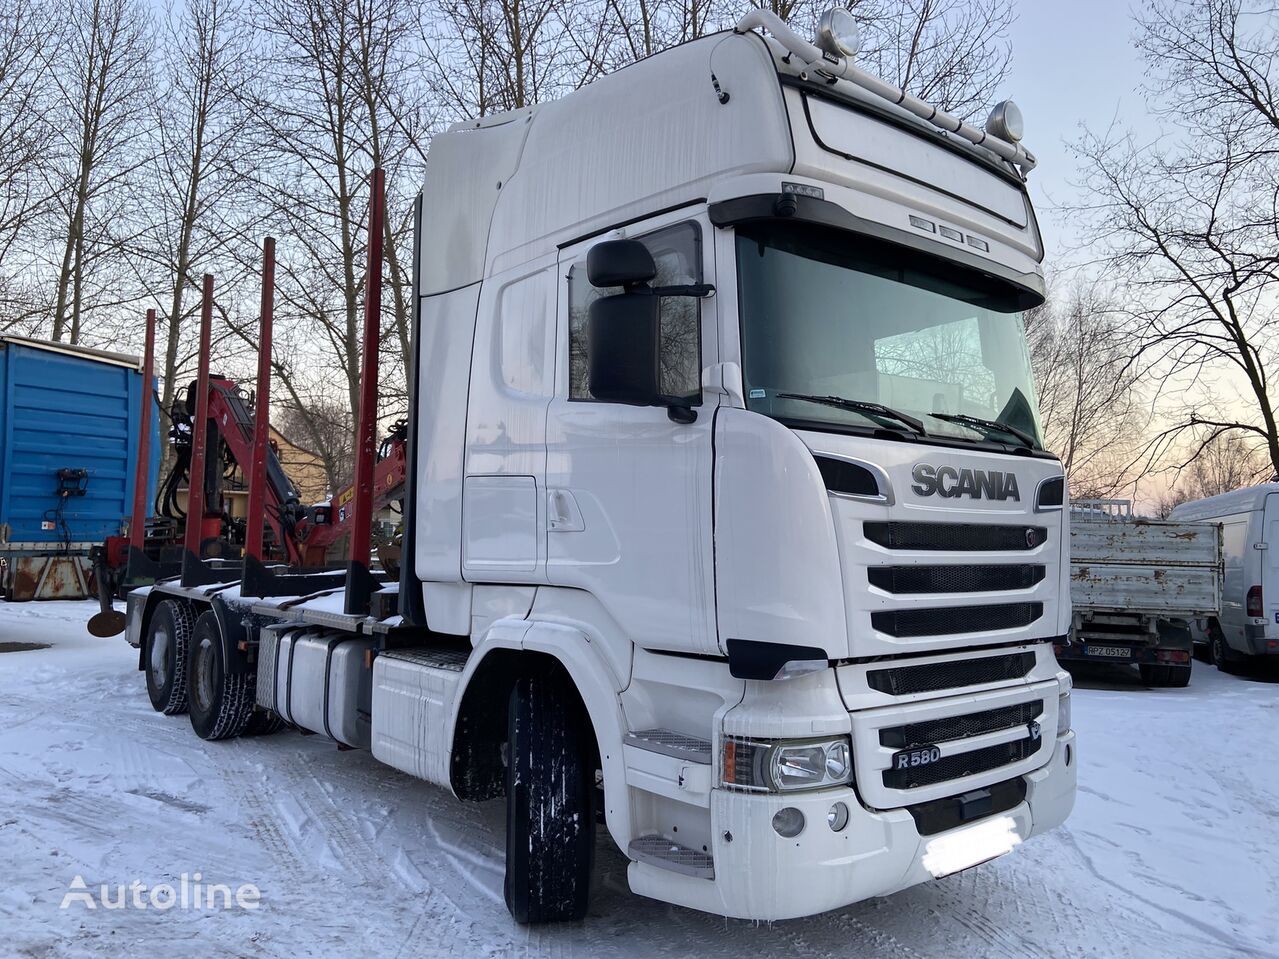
[(624, 263), (623, 332)]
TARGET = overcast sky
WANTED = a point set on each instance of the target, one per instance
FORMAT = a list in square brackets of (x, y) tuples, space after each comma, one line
[(1073, 62)]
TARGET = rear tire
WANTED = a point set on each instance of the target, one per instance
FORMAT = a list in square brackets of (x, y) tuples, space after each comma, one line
[(550, 800), (1223, 657), (1164, 675), (220, 703), (164, 655)]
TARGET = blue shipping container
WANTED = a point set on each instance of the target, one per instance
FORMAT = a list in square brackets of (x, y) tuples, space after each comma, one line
[(67, 407)]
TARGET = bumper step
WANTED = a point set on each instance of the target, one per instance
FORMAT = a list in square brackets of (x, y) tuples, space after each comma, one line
[(665, 854)]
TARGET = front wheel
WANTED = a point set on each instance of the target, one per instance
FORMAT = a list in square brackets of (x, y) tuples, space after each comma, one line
[(220, 702), (164, 656), (550, 798)]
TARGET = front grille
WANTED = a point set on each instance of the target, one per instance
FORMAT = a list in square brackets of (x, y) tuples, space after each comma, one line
[(960, 765), (955, 537), (961, 619), (954, 579), (932, 731), (927, 677)]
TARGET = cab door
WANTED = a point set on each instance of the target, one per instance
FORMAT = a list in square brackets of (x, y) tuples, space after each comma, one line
[(629, 490)]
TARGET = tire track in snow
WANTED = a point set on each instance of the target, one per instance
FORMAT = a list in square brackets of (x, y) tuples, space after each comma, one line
[(1212, 933)]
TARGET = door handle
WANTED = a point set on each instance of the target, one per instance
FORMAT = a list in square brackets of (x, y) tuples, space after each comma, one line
[(562, 513)]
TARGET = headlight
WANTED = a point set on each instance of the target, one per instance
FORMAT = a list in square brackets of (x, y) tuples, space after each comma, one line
[(785, 765), (1063, 713)]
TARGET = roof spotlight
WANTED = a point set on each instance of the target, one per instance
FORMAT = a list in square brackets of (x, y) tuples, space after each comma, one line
[(1005, 122), (838, 33)]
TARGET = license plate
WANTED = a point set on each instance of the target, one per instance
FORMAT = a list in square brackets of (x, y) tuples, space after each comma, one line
[(970, 847), (1109, 652), (910, 758)]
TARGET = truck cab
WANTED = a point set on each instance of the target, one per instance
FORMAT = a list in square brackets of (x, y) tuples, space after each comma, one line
[(724, 401)]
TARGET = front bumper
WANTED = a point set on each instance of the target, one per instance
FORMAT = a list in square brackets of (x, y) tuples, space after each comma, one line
[(761, 876)]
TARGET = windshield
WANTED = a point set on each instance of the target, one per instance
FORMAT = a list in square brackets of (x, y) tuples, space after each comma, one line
[(827, 313)]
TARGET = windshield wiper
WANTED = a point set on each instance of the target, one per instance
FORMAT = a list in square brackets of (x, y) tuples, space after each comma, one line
[(963, 418), (859, 406)]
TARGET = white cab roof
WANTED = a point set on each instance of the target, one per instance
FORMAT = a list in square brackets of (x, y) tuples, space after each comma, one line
[(657, 135)]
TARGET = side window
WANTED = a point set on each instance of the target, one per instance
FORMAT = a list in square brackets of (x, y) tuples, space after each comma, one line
[(677, 251)]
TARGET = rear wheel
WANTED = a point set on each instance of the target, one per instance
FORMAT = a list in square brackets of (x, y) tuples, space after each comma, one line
[(220, 702), (1165, 675), (550, 796), (1223, 657), (165, 653)]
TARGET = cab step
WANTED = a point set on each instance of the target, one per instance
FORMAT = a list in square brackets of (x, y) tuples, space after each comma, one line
[(667, 742), (665, 854)]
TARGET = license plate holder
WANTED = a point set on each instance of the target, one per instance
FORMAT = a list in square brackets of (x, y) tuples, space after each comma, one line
[(1105, 651)]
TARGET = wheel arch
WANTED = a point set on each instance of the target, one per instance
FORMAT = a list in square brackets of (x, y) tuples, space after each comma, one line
[(478, 725), (154, 598)]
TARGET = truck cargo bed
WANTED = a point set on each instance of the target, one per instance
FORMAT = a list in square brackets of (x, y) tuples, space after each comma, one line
[(1165, 568)]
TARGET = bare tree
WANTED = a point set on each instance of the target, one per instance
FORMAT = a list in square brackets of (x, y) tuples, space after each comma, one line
[(489, 56), (954, 54), (199, 161), (1227, 463), (27, 45), (101, 81), (398, 125), (1089, 397), (1191, 225)]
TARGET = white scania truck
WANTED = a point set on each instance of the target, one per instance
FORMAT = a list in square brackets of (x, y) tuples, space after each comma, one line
[(728, 523)]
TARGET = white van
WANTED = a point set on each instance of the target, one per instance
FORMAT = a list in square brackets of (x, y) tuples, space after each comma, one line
[(1249, 621)]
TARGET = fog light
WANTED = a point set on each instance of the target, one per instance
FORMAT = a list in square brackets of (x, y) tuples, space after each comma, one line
[(837, 818), (788, 823)]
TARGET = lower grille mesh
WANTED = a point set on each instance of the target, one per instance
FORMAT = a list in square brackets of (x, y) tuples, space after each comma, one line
[(955, 537), (927, 677), (960, 619), (933, 731), (954, 579), (960, 765)]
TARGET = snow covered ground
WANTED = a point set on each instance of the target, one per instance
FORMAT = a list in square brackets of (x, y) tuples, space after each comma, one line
[(1171, 850)]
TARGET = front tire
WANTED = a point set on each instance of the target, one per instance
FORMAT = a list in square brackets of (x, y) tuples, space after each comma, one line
[(164, 656), (1164, 675), (220, 703), (550, 802)]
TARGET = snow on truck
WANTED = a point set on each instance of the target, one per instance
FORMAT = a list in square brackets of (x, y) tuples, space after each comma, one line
[(727, 522), (1136, 586)]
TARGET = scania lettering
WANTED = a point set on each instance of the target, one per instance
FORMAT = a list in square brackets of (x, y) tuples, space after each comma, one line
[(975, 484), (725, 491)]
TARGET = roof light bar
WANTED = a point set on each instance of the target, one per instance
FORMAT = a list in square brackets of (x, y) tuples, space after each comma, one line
[(841, 67)]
